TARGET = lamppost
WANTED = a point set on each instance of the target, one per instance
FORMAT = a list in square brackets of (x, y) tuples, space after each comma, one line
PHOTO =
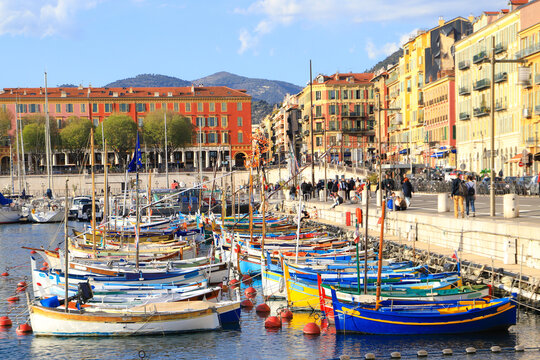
[(379, 109)]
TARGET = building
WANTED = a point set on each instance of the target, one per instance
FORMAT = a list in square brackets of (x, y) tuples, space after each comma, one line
[(381, 117), (343, 116), (390, 149), (221, 116), (529, 50), (473, 80)]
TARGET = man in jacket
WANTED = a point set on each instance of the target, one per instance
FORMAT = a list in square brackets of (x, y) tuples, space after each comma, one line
[(458, 195), (407, 191)]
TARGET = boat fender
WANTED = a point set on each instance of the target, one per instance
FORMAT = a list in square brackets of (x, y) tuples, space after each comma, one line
[(281, 284)]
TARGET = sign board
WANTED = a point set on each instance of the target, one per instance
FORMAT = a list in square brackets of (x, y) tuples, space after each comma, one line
[(520, 164)]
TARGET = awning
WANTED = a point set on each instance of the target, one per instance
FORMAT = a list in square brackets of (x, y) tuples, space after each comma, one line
[(439, 154), (515, 159), (404, 151), (536, 156), (453, 151)]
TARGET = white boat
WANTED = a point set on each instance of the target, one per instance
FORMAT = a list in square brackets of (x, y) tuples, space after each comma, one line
[(45, 211), (9, 214)]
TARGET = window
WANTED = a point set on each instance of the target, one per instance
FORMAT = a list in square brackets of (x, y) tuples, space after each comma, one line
[(345, 110), (240, 121), (333, 125), (212, 121), (318, 141), (95, 121), (318, 95), (95, 108), (223, 106), (152, 107), (332, 94), (239, 106), (332, 109), (83, 108), (108, 108), (34, 108), (69, 108), (318, 111), (212, 107), (176, 107), (223, 121), (58, 108), (200, 121), (212, 138), (201, 137), (59, 123), (124, 107), (188, 107), (240, 137), (140, 107), (345, 94), (225, 138), (140, 121), (199, 107)]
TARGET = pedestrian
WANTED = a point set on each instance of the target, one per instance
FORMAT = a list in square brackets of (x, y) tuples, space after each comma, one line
[(471, 196), (303, 189), (407, 191), (459, 191), (335, 186), (292, 192), (350, 187), (338, 200), (400, 204), (387, 185)]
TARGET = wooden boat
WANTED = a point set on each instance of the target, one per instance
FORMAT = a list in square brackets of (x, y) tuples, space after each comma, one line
[(397, 317)]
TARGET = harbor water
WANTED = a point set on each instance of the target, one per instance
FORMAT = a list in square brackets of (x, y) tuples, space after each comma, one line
[(248, 341)]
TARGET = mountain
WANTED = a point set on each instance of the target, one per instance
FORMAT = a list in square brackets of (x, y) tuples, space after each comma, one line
[(271, 91), (259, 109), (150, 80), (390, 60)]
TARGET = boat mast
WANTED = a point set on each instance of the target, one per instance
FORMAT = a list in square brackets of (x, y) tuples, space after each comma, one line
[(137, 211), (166, 152), (66, 248), (379, 264), (200, 165), (263, 206), (48, 137), (250, 206), (104, 160), (93, 191), (365, 244), (22, 155), (11, 167), (17, 142)]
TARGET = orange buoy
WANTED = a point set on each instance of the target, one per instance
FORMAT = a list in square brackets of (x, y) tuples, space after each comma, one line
[(246, 304), (13, 298), (5, 274), (22, 284), (246, 279), (33, 252), (43, 269), (23, 329), (21, 289), (5, 321), (272, 322), (262, 308), (234, 283), (250, 292), (45, 264), (312, 329), (286, 314)]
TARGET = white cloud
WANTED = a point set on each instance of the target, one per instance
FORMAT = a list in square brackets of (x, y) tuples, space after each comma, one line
[(374, 52), (246, 41), (40, 17), (276, 13)]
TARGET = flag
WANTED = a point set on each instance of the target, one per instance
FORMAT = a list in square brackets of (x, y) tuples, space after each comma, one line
[(136, 161)]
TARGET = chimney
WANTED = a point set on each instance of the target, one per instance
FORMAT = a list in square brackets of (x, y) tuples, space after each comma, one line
[(441, 21), (193, 89), (471, 18), (130, 90), (80, 87)]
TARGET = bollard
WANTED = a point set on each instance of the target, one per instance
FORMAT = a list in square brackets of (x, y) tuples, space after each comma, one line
[(510, 206), (395, 355), (364, 196), (443, 205), (422, 353), (496, 349), (370, 356), (519, 348), (470, 350), (447, 352), (379, 203)]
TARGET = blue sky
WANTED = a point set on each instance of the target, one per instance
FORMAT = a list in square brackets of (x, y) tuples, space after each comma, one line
[(99, 41)]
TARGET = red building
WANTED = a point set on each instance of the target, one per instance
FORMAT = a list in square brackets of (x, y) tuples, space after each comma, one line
[(221, 116)]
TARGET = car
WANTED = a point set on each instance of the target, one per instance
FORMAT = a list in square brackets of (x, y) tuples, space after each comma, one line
[(534, 186), (522, 185), (77, 204)]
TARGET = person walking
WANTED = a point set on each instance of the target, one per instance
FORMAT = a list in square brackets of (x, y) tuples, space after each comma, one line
[(292, 192), (407, 191), (471, 196), (459, 191)]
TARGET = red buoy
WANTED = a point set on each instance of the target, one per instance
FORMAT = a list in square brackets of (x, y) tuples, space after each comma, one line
[(246, 304), (21, 284), (262, 308), (5, 274), (312, 329), (43, 269), (33, 252), (23, 329), (246, 279), (234, 283), (45, 264), (57, 249), (21, 289), (286, 314), (272, 322), (13, 298), (5, 321), (250, 292)]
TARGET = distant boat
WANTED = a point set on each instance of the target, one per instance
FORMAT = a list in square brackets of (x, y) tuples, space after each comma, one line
[(9, 212)]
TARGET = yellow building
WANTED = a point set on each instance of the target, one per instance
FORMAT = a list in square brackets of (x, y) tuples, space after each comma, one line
[(529, 40), (473, 81)]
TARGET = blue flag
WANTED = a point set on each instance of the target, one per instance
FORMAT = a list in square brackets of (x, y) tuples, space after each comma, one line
[(136, 161)]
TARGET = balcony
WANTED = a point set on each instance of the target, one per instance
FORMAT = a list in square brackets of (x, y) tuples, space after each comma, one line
[(359, 131), (353, 114), (500, 77), (527, 113), (464, 91), (528, 51), (481, 84), (481, 111), (481, 56), (499, 48), (318, 116), (318, 131), (464, 65), (500, 106), (537, 79), (537, 110), (421, 101), (464, 116)]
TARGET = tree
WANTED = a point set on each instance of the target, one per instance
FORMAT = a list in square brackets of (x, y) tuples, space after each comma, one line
[(75, 136), (120, 134), (179, 131), (34, 136), (6, 117)]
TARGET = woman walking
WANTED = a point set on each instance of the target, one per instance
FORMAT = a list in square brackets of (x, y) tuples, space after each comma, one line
[(471, 195)]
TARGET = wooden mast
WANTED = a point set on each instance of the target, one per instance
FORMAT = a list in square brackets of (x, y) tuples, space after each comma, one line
[(106, 187), (93, 191), (66, 248), (250, 206), (379, 264)]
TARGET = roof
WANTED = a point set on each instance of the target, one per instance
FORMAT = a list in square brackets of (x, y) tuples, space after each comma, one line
[(346, 78), (123, 92), (518, 2)]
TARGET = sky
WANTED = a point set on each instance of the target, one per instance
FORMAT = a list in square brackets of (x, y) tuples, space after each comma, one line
[(99, 41)]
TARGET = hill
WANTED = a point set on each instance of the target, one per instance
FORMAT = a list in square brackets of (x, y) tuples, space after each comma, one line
[(150, 80), (271, 91), (390, 60)]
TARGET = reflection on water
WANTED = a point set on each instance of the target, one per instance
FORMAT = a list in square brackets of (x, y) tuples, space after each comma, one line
[(250, 341)]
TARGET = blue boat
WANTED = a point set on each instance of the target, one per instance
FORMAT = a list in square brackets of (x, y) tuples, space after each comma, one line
[(394, 317)]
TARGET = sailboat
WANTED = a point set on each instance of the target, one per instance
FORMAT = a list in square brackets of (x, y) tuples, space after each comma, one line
[(9, 212)]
